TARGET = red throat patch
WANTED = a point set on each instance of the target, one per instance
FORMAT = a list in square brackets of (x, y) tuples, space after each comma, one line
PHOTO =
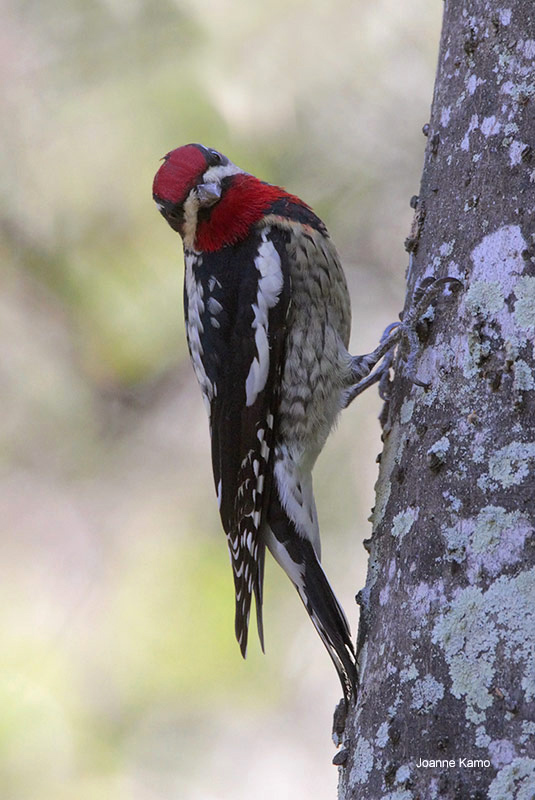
[(244, 202), (178, 174)]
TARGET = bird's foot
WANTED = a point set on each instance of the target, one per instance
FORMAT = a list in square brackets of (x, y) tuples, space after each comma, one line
[(363, 371), (408, 334)]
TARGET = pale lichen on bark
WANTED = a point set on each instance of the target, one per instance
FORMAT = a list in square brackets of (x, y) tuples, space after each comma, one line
[(447, 636)]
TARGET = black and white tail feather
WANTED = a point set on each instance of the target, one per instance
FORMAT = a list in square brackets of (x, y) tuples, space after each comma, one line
[(297, 556)]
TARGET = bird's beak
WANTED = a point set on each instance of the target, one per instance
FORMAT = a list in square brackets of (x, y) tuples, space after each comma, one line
[(208, 194)]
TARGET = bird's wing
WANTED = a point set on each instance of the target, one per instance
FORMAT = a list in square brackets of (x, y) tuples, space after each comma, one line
[(241, 333)]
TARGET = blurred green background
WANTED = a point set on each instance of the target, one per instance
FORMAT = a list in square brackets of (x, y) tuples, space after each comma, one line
[(119, 675)]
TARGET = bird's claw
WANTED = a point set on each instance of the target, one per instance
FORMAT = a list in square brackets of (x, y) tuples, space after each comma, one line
[(425, 296), (403, 333)]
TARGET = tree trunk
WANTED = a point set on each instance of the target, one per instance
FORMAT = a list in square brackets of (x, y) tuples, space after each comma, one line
[(447, 633)]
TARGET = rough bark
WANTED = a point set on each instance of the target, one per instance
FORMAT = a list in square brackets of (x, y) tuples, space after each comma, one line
[(447, 633)]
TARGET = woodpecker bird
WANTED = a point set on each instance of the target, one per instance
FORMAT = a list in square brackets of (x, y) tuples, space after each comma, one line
[(267, 320)]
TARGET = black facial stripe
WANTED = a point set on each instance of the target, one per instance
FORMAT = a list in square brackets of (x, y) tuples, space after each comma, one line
[(173, 213), (213, 157)]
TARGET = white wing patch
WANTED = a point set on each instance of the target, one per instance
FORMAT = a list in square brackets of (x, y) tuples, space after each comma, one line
[(270, 285)]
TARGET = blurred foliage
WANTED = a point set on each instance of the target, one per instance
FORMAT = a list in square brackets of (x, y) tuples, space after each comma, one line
[(120, 675)]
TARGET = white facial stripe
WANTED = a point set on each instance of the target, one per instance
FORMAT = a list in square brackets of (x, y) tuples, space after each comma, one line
[(270, 285), (217, 173)]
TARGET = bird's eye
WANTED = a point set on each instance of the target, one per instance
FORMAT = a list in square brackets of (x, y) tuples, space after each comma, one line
[(214, 158)]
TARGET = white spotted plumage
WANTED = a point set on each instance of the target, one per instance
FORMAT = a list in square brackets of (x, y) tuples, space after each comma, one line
[(195, 328)]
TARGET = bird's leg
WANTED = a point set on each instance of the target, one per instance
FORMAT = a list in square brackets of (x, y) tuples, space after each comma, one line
[(405, 334), (362, 366)]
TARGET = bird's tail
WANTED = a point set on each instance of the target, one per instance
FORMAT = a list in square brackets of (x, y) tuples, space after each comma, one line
[(297, 557), (248, 570)]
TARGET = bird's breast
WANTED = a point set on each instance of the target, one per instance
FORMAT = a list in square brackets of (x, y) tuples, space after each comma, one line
[(318, 324)]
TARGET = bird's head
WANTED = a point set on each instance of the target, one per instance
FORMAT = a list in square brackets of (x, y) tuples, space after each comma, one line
[(208, 200)]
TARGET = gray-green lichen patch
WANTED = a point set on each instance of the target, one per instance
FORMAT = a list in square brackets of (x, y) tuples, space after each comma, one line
[(516, 149), (509, 466), (457, 540), (498, 267), (437, 452), (362, 661), (478, 454), (519, 91), (382, 494), (523, 376), (515, 781), (363, 762), (476, 351), (510, 128), (497, 276), (403, 774), (525, 303), (426, 693), (528, 731), (469, 651), (492, 523), (484, 298), (392, 710), (406, 411), (441, 447), (381, 740), (391, 456), (403, 522), (475, 626), (528, 727), (454, 502), (491, 540), (482, 739), (408, 674)]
